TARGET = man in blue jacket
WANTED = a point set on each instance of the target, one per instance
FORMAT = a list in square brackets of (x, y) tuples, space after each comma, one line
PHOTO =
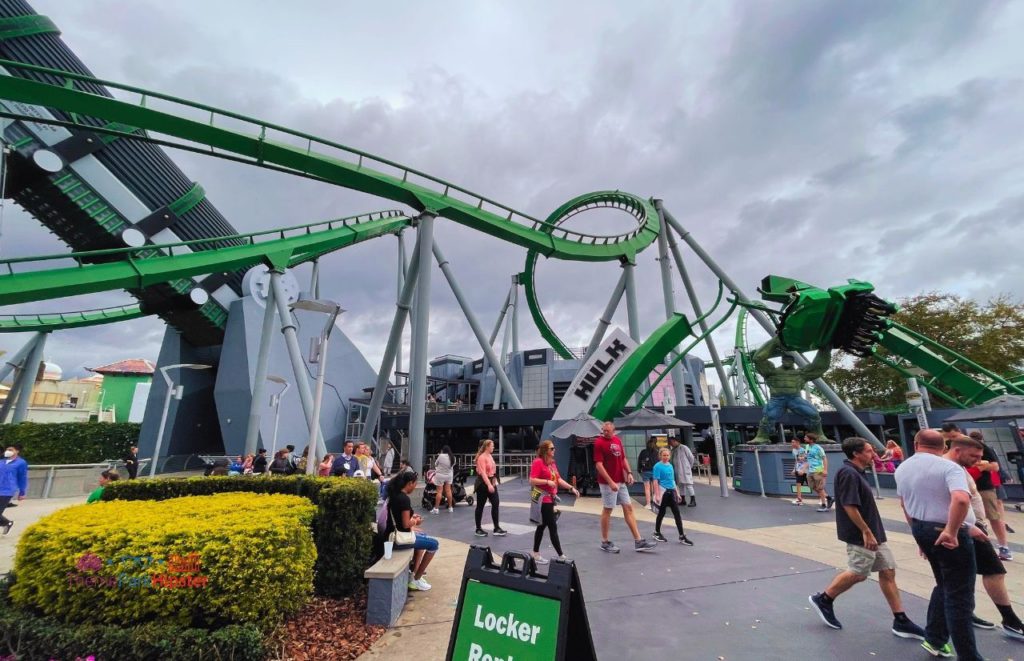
[(13, 482)]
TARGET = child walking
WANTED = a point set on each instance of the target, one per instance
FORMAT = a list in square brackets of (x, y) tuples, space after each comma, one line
[(665, 481)]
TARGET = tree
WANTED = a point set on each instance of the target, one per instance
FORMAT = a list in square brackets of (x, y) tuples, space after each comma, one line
[(990, 334)]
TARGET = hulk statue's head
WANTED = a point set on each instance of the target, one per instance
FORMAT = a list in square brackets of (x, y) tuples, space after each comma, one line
[(788, 362)]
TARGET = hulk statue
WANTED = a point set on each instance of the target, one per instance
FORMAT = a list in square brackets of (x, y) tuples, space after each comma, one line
[(785, 383)]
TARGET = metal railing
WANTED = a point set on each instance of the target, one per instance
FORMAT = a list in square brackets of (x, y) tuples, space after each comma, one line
[(53, 469)]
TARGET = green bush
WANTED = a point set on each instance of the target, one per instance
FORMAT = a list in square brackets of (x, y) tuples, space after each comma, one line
[(341, 525), (27, 635), (71, 442), (127, 562)]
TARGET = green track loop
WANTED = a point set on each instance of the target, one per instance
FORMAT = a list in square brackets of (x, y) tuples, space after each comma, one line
[(51, 321)]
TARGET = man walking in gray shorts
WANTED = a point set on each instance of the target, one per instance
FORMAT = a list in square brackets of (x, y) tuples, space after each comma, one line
[(859, 524), (614, 476)]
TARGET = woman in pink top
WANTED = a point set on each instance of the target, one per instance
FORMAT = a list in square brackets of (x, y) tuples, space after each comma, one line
[(544, 476), (486, 487), (324, 469)]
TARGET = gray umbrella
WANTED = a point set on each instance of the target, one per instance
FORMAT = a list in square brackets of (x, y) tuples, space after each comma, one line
[(583, 425), (643, 418), (1003, 407)]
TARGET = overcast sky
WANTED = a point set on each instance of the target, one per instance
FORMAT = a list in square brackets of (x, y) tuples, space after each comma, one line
[(818, 140)]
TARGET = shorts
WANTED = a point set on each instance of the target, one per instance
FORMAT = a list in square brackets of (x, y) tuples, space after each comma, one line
[(801, 478), (816, 480), (648, 476), (862, 562), (609, 498), (986, 558), (426, 543), (441, 479), (1001, 493), (991, 500)]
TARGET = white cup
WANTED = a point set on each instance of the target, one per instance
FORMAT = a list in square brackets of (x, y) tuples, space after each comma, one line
[(388, 547)]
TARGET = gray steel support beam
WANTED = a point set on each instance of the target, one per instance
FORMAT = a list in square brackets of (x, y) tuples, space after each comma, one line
[(314, 280), (418, 365), (19, 377), (632, 318), (28, 379), (678, 384), (493, 337), (259, 386), (295, 355), (606, 318), (499, 366), (515, 314), (18, 359), (488, 350), (842, 407), (730, 400), (398, 297), (393, 348)]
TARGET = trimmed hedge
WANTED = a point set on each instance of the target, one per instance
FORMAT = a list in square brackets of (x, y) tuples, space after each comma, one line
[(204, 561), (341, 526), (71, 442), (26, 635)]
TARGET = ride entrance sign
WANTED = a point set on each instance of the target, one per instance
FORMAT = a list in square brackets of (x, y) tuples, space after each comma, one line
[(512, 613)]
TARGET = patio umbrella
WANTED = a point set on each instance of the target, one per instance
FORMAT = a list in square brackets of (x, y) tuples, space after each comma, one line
[(1003, 407), (644, 418), (583, 425)]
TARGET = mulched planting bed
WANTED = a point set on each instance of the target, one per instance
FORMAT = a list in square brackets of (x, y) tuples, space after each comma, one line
[(326, 630)]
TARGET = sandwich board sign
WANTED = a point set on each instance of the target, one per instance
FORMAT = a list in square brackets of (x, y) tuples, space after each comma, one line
[(509, 612)]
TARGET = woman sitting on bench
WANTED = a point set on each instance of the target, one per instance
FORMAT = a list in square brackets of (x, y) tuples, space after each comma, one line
[(400, 513)]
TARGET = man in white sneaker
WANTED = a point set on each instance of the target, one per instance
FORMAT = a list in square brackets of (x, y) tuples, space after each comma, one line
[(614, 477)]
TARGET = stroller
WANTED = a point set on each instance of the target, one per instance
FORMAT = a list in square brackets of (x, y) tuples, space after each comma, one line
[(458, 490)]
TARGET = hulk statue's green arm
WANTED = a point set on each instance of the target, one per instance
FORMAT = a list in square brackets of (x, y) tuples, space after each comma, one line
[(761, 357), (817, 368)]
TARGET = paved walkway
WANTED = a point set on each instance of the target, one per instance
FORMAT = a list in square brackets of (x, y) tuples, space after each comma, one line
[(739, 593)]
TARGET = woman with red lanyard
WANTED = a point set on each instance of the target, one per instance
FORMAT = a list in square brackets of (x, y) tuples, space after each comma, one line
[(486, 487), (544, 475)]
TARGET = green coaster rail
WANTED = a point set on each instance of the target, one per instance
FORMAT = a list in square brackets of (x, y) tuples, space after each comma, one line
[(50, 321), (146, 266), (301, 154)]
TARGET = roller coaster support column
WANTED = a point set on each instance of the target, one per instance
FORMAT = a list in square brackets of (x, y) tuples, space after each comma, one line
[(678, 385), (28, 379), (398, 299), (259, 386), (515, 316), (393, 350), (730, 400), (19, 364), (632, 318), (493, 337), (606, 318), (295, 354), (499, 366), (475, 325), (418, 366), (18, 359), (314, 280), (766, 323)]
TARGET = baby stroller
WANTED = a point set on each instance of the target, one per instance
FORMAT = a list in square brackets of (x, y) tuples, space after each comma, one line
[(458, 490)]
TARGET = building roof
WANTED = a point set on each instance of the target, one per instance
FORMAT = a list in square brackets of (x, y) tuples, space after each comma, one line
[(132, 366)]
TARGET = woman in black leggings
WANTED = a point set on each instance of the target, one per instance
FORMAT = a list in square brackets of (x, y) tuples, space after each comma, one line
[(665, 483), (486, 488), (544, 477)]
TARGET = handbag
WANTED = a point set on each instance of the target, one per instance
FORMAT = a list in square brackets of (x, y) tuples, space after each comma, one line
[(401, 539), (535, 515)]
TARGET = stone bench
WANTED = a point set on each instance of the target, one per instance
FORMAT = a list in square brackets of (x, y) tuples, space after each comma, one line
[(388, 589)]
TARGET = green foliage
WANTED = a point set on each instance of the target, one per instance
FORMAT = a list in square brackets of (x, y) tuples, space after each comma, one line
[(990, 334), (341, 525), (27, 635), (71, 442), (255, 561)]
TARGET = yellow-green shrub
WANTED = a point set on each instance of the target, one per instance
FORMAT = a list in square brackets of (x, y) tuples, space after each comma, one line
[(256, 552)]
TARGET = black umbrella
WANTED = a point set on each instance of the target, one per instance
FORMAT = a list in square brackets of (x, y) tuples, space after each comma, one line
[(643, 418), (583, 425), (1003, 407)]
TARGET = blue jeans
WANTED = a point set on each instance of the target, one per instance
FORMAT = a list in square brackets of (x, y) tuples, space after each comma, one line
[(425, 543), (952, 602), (778, 404)]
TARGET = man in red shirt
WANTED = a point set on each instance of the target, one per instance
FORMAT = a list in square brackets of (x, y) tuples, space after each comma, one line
[(613, 479)]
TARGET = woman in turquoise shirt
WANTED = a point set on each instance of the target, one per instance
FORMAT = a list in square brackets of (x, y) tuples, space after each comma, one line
[(665, 484)]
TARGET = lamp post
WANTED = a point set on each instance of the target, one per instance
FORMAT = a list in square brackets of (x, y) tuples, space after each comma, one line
[(171, 392), (275, 401), (332, 310)]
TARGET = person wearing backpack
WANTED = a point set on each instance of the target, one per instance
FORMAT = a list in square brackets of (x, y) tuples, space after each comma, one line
[(645, 466)]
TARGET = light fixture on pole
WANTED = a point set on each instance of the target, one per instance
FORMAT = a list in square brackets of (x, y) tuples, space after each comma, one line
[(332, 310), (176, 393), (275, 401)]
